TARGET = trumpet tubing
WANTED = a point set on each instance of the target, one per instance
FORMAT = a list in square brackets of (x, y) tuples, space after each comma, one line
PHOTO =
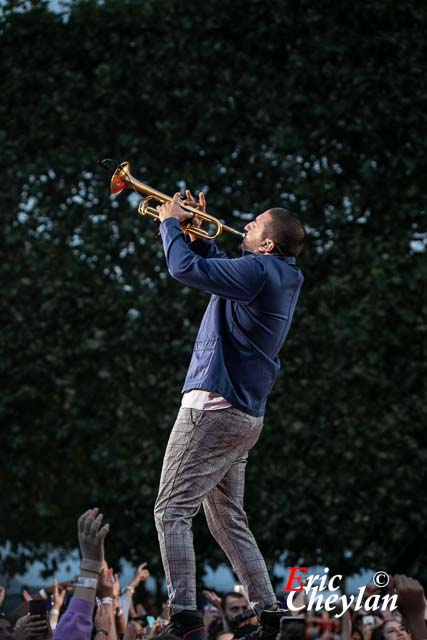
[(123, 179)]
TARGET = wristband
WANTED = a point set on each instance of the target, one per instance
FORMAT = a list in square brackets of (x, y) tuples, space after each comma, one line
[(106, 600), (88, 583), (105, 633), (54, 612), (43, 594), (130, 589)]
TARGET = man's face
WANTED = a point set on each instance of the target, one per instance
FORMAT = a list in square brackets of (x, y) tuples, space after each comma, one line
[(234, 606), (256, 232)]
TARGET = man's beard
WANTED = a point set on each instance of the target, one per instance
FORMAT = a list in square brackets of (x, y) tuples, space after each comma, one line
[(244, 246)]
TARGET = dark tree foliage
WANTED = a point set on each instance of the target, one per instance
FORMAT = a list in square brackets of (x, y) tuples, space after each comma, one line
[(319, 107)]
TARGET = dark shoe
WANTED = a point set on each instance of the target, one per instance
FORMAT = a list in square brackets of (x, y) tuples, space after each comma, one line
[(187, 625)]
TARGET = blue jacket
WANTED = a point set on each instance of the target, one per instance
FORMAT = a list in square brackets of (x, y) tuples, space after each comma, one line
[(247, 319)]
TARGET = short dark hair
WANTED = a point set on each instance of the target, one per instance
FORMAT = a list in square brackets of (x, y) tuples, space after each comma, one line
[(287, 232), (231, 594)]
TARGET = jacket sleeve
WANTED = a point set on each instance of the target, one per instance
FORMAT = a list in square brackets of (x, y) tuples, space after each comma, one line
[(239, 279), (76, 622), (206, 248)]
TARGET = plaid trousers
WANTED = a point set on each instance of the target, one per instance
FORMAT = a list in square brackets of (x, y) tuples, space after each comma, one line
[(205, 464)]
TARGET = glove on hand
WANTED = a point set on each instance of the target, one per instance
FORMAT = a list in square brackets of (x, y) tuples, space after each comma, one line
[(91, 536)]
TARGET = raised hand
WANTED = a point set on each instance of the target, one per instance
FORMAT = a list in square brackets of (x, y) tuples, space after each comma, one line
[(411, 604), (32, 628), (91, 535), (116, 586), (103, 620), (410, 596), (131, 631), (141, 574), (213, 598), (59, 593), (106, 584)]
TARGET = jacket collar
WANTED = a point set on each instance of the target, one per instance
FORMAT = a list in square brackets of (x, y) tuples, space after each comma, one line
[(288, 259)]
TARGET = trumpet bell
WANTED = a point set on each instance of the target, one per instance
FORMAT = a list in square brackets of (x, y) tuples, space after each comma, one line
[(117, 184)]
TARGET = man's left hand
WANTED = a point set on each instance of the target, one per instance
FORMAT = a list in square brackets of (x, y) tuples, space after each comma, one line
[(173, 209)]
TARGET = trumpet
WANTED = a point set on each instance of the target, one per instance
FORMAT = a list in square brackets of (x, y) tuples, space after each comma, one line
[(123, 179)]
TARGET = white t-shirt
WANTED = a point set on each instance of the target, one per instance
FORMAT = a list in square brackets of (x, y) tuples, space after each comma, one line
[(204, 400)]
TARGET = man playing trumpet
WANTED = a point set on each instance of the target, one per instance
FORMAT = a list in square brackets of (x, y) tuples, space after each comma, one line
[(232, 370)]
